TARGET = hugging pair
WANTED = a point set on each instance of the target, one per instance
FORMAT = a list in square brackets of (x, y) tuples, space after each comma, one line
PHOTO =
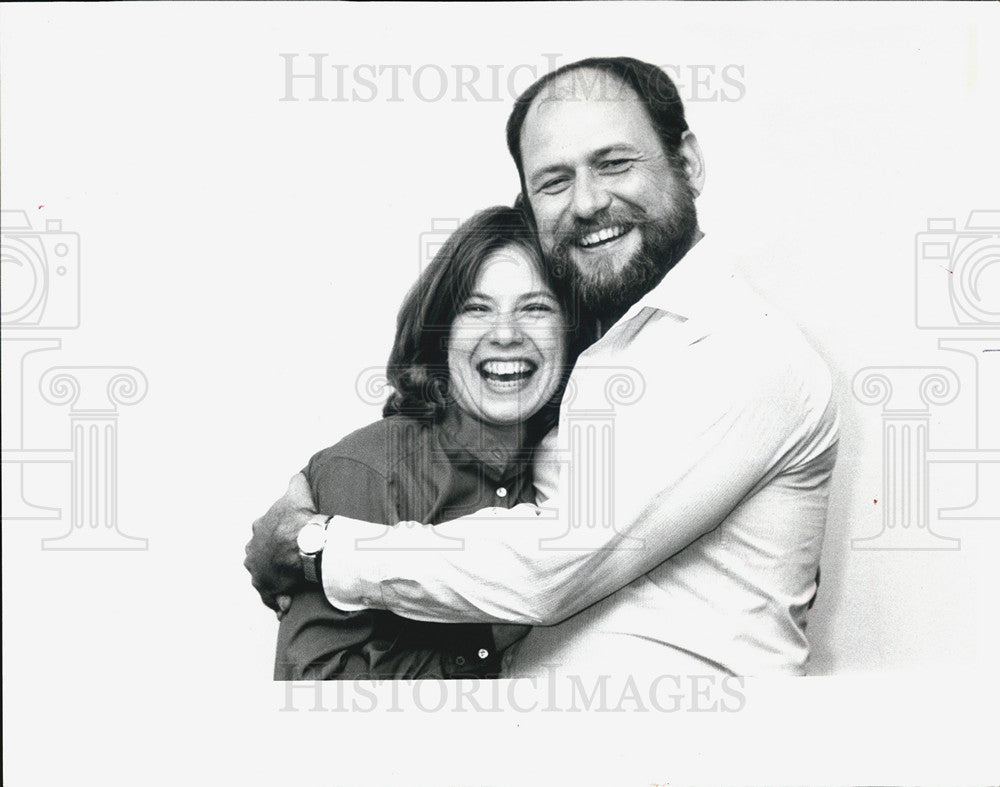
[(684, 540)]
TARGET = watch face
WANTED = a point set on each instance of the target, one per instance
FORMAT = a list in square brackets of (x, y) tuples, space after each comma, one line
[(312, 538)]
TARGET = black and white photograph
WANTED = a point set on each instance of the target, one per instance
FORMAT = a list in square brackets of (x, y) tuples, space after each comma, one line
[(502, 394)]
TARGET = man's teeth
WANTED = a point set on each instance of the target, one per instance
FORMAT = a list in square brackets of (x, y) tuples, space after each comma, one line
[(608, 233), (503, 368)]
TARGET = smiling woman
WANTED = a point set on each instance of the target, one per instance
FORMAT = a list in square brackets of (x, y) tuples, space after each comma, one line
[(484, 342), (506, 347), (484, 327)]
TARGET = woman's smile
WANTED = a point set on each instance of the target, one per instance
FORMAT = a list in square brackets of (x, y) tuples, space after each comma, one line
[(507, 375)]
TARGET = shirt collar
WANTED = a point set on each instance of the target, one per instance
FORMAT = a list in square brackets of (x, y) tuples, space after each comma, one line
[(499, 449), (694, 287)]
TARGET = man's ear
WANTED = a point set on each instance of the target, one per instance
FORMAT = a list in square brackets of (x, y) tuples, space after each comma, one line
[(694, 164)]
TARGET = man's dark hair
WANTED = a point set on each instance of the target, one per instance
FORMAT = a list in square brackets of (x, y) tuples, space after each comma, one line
[(654, 88), (418, 364)]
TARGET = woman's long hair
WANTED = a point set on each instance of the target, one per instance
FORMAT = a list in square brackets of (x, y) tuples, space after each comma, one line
[(418, 364)]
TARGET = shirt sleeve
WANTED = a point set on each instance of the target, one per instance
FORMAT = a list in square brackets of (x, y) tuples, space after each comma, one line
[(546, 467), (685, 461)]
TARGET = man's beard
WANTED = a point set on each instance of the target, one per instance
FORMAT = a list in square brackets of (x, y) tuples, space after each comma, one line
[(607, 293)]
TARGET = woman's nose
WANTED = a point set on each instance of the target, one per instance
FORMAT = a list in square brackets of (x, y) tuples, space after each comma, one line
[(506, 330)]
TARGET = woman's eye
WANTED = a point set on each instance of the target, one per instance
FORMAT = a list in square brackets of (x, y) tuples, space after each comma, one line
[(473, 308), (539, 308)]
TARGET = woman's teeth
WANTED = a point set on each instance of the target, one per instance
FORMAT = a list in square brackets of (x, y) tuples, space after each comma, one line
[(506, 368), (507, 375)]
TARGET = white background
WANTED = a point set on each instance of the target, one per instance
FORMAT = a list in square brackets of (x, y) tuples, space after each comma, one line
[(248, 255)]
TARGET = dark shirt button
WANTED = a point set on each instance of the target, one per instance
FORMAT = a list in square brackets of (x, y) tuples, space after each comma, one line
[(460, 661)]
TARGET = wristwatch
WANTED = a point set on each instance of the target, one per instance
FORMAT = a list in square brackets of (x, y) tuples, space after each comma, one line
[(311, 540)]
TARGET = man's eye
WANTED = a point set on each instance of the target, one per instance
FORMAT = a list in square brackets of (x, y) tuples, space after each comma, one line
[(615, 166), (539, 308), (555, 185)]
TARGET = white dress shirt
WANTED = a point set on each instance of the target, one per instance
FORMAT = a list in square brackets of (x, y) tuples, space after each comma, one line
[(696, 443)]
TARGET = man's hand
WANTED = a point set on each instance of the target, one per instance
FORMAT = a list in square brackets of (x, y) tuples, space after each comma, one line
[(272, 555)]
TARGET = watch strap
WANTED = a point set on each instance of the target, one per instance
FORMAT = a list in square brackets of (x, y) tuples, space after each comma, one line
[(312, 566)]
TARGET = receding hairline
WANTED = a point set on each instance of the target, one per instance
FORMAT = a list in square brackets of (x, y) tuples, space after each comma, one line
[(557, 90), (630, 94)]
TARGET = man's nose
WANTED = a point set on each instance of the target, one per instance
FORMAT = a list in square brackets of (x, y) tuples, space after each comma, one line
[(589, 196)]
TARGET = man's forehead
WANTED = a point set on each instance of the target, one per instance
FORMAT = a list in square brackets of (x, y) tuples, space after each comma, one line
[(580, 109)]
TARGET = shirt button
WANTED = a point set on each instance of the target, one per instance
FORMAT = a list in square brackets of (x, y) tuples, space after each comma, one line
[(366, 601), (460, 661), (502, 492), (483, 653)]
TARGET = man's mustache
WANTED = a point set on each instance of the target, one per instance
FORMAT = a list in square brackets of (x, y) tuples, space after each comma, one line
[(569, 232)]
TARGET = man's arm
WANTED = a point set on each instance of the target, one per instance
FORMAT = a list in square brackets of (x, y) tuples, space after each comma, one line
[(272, 554), (686, 465)]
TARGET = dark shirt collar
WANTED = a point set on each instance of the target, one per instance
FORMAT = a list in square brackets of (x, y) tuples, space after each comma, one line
[(500, 449)]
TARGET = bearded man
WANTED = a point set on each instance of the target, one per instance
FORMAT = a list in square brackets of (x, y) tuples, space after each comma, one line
[(700, 555)]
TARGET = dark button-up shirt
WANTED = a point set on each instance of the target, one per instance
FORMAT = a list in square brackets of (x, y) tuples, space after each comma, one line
[(402, 469)]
